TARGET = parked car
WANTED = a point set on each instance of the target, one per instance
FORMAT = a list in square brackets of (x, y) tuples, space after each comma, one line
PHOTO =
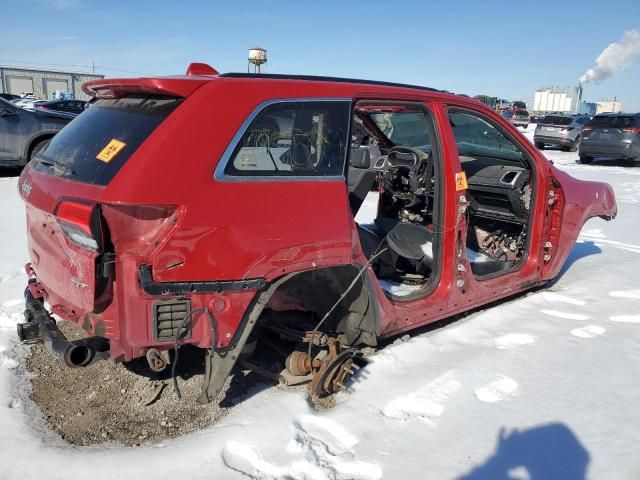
[(519, 118), (518, 105), (9, 96), (612, 135), (24, 133), (75, 107), (536, 118), (151, 233), (562, 130)]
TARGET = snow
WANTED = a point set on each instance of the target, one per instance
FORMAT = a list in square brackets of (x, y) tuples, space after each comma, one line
[(544, 386)]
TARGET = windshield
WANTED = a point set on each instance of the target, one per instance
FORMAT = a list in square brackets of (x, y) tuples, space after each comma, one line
[(404, 128), (95, 145)]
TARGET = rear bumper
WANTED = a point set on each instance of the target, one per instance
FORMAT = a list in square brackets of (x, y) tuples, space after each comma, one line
[(548, 140), (137, 319), (618, 151), (40, 325)]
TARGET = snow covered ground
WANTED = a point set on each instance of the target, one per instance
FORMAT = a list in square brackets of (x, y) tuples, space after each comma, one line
[(542, 387)]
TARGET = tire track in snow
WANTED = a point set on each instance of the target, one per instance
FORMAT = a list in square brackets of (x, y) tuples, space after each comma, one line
[(426, 402), (498, 390), (564, 315), (626, 294), (625, 318), (328, 454), (513, 340), (590, 331)]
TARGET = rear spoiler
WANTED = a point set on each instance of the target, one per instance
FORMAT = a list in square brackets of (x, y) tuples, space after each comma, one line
[(179, 86)]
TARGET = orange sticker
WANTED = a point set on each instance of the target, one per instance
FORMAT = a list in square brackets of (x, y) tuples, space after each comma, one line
[(461, 181), (111, 150)]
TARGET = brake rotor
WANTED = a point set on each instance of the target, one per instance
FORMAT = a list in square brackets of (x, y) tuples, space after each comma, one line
[(332, 376)]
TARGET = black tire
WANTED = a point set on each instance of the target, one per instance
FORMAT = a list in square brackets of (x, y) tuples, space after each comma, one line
[(36, 147), (576, 145), (540, 146), (586, 159)]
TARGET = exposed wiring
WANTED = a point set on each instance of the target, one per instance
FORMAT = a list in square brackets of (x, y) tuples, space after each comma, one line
[(182, 331)]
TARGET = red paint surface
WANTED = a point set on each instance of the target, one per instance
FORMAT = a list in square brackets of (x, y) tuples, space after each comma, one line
[(165, 208)]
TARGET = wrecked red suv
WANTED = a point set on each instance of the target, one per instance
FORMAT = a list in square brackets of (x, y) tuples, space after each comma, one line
[(218, 210)]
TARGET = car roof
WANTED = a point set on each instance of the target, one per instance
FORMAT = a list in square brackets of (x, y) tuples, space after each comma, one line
[(185, 85)]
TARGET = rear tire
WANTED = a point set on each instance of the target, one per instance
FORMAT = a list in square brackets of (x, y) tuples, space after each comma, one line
[(576, 145), (37, 147), (540, 146), (586, 159)]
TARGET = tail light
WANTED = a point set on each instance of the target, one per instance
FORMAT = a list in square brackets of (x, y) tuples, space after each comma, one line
[(566, 129), (80, 223), (631, 130), (586, 128), (43, 107)]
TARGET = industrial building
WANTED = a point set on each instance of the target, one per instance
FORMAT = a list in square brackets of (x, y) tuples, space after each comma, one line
[(557, 99), (569, 100), (43, 83), (608, 106)]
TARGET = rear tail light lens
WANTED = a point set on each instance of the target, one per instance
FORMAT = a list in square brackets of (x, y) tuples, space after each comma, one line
[(79, 223), (631, 130), (586, 128), (566, 129)]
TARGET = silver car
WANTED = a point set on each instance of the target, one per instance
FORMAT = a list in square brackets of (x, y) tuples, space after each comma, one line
[(562, 130)]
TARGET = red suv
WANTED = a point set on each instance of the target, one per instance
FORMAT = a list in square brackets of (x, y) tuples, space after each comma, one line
[(218, 211)]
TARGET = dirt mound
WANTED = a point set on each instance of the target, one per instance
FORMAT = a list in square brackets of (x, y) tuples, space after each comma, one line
[(112, 403)]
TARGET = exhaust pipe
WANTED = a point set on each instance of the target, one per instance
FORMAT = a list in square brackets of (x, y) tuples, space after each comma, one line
[(41, 325)]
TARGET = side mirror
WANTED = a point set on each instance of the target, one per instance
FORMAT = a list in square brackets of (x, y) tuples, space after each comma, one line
[(360, 158)]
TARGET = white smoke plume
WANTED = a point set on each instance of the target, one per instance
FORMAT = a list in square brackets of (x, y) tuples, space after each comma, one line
[(615, 58)]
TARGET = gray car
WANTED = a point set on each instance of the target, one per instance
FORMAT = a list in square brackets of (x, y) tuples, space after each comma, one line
[(23, 133), (612, 135), (519, 118), (562, 130)]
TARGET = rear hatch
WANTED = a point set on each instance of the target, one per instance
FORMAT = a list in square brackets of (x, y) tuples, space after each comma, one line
[(553, 125), (609, 130), (68, 237)]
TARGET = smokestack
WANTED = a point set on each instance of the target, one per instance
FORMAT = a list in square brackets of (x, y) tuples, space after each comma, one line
[(615, 58)]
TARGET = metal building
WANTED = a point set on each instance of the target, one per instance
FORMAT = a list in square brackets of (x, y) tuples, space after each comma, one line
[(43, 83), (555, 99)]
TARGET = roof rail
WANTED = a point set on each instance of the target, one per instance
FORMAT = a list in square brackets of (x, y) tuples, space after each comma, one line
[(314, 78)]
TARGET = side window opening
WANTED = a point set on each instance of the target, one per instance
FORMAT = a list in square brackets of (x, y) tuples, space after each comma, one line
[(499, 190), (294, 139)]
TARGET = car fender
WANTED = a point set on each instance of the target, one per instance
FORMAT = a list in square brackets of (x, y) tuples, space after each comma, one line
[(581, 200)]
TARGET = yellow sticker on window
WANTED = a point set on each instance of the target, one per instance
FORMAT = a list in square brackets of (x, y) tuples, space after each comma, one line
[(111, 150), (461, 181)]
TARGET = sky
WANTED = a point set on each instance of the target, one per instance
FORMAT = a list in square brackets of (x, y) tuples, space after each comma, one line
[(499, 48)]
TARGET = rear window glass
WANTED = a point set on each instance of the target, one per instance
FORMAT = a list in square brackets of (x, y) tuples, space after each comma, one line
[(95, 145), (612, 121), (556, 120)]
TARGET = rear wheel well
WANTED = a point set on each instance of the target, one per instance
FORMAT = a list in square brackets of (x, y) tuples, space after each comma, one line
[(38, 142), (312, 293)]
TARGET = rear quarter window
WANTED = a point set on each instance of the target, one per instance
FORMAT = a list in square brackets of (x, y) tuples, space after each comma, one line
[(95, 145), (292, 139)]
